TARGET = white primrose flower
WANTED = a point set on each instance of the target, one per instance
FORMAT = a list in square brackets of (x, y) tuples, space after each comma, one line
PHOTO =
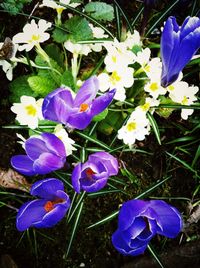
[(155, 89), (132, 39), (77, 49), (136, 128), (97, 33), (181, 92), (59, 8), (62, 134), (118, 56), (28, 112), (119, 79), (149, 102), (32, 35), (143, 57), (153, 69)]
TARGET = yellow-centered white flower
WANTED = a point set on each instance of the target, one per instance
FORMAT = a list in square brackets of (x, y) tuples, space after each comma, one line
[(32, 35), (136, 128), (181, 92), (28, 112), (62, 134), (59, 8), (154, 88)]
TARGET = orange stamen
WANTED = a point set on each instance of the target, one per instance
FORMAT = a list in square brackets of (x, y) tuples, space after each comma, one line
[(49, 205), (89, 172), (83, 107)]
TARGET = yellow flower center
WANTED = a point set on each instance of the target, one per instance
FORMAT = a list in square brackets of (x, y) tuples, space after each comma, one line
[(171, 87), (115, 77), (185, 100), (60, 10), (145, 107), (154, 86), (30, 109), (114, 59), (131, 126)]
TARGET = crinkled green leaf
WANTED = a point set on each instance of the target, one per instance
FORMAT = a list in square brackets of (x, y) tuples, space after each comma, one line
[(68, 80), (55, 53), (100, 11), (41, 85)]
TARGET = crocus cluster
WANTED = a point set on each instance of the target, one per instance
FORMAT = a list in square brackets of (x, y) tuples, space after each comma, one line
[(139, 221), (45, 153), (94, 173), (61, 107), (46, 211)]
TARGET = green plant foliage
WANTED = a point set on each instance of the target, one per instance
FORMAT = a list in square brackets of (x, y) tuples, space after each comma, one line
[(101, 116), (60, 35), (41, 85), (19, 87), (113, 121), (55, 53), (68, 80), (14, 6), (100, 11)]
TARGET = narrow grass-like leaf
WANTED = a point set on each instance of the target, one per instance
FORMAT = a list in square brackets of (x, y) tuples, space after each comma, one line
[(193, 7), (154, 126), (162, 16), (106, 219), (196, 157), (105, 192), (62, 177), (124, 15), (177, 106), (87, 137), (97, 67), (154, 254), (75, 226), (82, 195), (183, 163), (182, 139), (138, 14), (118, 21)]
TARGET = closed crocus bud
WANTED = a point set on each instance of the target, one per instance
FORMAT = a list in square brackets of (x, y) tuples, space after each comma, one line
[(178, 45), (45, 153), (61, 107), (140, 220), (46, 211), (93, 174)]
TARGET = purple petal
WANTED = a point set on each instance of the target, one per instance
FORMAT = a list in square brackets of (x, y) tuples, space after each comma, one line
[(23, 164), (129, 211), (80, 120), (34, 147), (134, 230), (58, 105), (123, 248), (102, 102), (54, 144), (93, 186), (29, 213), (46, 188), (87, 92), (168, 218), (76, 175), (47, 163), (107, 160)]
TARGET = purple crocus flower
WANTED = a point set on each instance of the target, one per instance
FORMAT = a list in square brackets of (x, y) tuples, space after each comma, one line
[(93, 174), (46, 211), (60, 106), (178, 45), (45, 153), (140, 220)]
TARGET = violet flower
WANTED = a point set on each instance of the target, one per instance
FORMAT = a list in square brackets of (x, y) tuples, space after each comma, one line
[(46, 211), (45, 153), (60, 106), (178, 45), (93, 174), (140, 220)]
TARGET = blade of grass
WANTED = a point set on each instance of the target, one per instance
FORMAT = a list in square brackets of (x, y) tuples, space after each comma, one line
[(154, 254), (193, 8), (75, 226), (77, 206), (196, 157), (118, 21), (155, 127), (162, 16), (139, 12)]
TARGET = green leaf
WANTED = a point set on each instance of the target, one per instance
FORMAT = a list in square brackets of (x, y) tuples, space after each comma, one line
[(20, 87), (68, 80), (79, 29), (154, 126), (100, 11), (113, 121), (100, 116), (60, 35), (55, 53), (41, 85)]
